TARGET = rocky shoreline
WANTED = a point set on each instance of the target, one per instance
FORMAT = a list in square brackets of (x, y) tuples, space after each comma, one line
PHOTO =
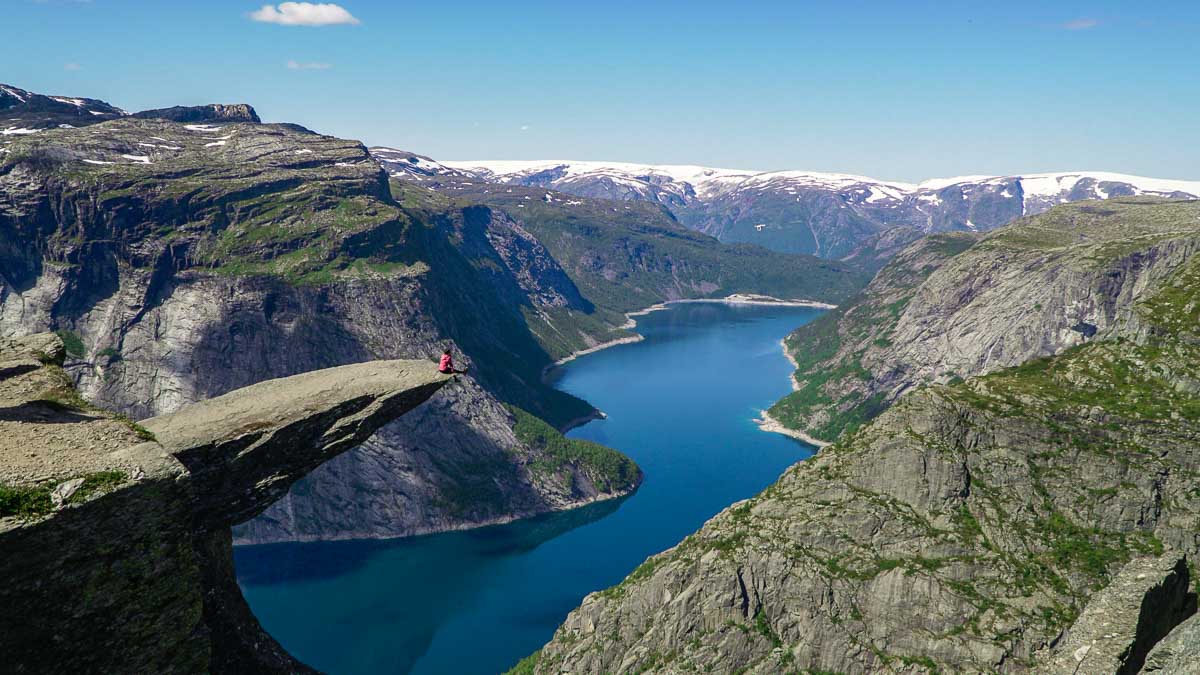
[(772, 425), (734, 299)]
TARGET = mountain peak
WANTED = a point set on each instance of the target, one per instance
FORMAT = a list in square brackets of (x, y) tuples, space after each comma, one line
[(213, 112)]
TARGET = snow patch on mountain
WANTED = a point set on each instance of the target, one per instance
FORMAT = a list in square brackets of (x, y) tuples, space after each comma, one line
[(77, 102), (709, 180)]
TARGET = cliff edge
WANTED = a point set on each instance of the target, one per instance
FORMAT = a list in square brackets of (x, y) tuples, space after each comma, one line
[(116, 535)]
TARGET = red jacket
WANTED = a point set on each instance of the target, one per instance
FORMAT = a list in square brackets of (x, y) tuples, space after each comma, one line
[(446, 363)]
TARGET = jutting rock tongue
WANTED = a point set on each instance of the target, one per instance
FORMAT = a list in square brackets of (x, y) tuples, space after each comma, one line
[(130, 569)]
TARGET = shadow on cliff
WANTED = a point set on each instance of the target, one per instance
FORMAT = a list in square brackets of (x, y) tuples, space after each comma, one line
[(128, 596), (43, 412), (269, 564)]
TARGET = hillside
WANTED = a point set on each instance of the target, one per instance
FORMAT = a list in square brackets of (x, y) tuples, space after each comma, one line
[(622, 256), (628, 256), (184, 260), (126, 526), (958, 304), (1038, 518)]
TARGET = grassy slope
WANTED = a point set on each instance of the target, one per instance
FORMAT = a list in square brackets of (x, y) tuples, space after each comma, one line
[(629, 255), (830, 350), (865, 321), (607, 469)]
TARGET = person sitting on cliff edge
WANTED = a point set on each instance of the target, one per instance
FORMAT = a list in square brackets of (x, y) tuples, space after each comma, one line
[(446, 365)]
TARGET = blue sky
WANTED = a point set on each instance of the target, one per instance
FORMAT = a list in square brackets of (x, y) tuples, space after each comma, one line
[(893, 90)]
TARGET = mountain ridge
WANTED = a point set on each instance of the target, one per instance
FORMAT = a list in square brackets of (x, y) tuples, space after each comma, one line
[(830, 215), (696, 173)]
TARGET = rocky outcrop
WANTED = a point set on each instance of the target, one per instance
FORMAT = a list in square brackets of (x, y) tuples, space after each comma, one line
[(227, 254), (453, 463), (1178, 653), (956, 305), (1119, 625), (126, 527), (243, 449), (213, 112), (970, 527)]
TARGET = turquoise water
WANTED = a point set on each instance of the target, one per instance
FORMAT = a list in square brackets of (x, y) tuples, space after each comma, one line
[(681, 403)]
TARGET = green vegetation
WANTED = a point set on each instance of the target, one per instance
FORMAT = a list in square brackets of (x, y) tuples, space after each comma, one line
[(72, 343), (527, 665), (763, 628), (24, 502), (834, 396), (62, 395), (28, 502), (472, 488), (1175, 309), (562, 331), (609, 470), (626, 256), (1101, 231)]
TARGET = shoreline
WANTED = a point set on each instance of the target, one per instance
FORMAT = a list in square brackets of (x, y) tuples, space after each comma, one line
[(596, 414), (630, 323), (766, 424), (772, 425), (748, 299), (629, 339), (795, 364)]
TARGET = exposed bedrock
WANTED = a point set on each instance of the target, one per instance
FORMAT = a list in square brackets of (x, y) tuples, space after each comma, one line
[(115, 537)]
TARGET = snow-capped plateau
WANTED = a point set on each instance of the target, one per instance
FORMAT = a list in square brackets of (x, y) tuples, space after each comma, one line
[(827, 214), (710, 180)]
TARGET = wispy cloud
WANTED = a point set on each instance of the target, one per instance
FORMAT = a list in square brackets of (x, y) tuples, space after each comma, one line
[(1081, 24), (312, 65), (524, 127), (72, 66), (304, 14)]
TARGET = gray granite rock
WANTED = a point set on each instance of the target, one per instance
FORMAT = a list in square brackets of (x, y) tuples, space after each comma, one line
[(119, 558)]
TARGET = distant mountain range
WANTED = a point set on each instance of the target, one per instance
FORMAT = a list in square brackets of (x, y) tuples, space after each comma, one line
[(826, 214), (831, 215)]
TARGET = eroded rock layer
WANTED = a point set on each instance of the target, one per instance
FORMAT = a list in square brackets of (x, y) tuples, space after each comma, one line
[(116, 536)]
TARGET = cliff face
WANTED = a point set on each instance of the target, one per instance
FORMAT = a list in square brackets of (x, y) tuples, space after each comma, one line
[(630, 255), (116, 536), (956, 305), (227, 255), (969, 527)]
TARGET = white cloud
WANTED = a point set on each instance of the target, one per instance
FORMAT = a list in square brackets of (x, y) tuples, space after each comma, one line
[(304, 14), (1081, 24), (296, 65), (72, 66), (524, 127)]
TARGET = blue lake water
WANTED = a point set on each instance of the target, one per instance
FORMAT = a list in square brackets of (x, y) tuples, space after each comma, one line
[(681, 403)]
